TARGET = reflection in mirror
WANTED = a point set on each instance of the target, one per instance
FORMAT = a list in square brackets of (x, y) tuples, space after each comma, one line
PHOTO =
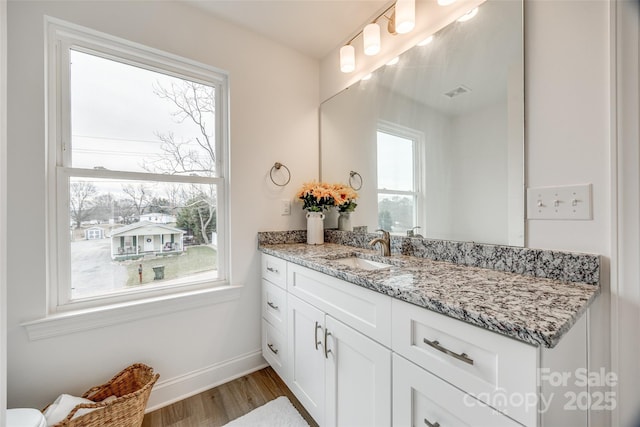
[(438, 137)]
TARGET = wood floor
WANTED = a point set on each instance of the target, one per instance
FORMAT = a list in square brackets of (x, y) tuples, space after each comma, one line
[(224, 403)]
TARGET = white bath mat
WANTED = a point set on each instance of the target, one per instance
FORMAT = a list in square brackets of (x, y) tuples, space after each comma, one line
[(277, 413)]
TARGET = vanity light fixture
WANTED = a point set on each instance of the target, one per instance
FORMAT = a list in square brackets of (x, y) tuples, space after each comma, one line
[(401, 21), (405, 16), (425, 41), (347, 59), (394, 61), (371, 36), (469, 15)]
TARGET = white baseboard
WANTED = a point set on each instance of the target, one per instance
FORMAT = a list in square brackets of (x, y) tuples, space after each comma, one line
[(172, 390)]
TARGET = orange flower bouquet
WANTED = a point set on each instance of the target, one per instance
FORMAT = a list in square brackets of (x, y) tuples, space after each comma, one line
[(346, 198), (319, 196)]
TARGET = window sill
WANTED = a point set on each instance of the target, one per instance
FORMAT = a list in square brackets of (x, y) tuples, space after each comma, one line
[(84, 320)]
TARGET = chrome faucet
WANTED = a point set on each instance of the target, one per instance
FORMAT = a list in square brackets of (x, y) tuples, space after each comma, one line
[(384, 241), (413, 233)]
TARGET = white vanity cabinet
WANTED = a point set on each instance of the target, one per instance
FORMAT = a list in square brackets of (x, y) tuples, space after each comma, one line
[(341, 376), (355, 357), (274, 313)]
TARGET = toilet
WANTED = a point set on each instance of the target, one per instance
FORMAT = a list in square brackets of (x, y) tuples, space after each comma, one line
[(25, 417)]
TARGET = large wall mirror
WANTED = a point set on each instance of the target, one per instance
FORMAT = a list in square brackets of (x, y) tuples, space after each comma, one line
[(438, 137)]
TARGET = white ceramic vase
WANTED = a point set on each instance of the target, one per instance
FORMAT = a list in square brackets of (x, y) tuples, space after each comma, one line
[(315, 228), (344, 221)]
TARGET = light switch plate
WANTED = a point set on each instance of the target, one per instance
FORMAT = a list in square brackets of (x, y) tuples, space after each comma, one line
[(561, 202), (285, 207)]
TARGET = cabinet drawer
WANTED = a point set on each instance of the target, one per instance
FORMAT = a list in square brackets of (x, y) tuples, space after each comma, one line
[(422, 399), (364, 310), (274, 305), (497, 370), (274, 270), (274, 348)]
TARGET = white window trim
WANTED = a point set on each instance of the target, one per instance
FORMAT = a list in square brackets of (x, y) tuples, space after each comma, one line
[(419, 161), (84, 320), (60, 36)]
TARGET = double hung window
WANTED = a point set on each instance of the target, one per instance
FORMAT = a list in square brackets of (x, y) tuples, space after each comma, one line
[(398, 176), (138, 164)]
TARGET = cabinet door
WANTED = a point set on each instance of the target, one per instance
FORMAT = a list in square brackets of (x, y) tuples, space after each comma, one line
[(306, 361), (422, 399), (358, 378)]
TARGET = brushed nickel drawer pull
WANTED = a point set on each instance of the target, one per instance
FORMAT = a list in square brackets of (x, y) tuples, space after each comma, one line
[(326, 343), (272, 305), (273, 270), (463, 356), (273, 350), (316, 336), (436, 424)]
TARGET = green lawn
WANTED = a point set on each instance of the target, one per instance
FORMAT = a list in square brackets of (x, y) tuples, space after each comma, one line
[(195, 259)]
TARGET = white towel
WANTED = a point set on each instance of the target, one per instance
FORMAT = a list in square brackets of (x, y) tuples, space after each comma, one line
[(59, 409)]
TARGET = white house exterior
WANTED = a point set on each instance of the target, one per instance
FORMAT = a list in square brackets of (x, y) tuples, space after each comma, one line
[(145, 237), (158, 218)]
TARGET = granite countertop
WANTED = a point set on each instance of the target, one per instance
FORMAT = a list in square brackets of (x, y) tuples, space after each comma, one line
[(534, 310)]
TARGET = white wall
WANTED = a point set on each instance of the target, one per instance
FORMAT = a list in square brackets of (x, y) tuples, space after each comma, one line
[(567, 134), (274, 100), (479, 148), (567, 104)]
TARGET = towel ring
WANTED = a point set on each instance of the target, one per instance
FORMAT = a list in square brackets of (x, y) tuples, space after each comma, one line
[(355, 176), (276, 167)]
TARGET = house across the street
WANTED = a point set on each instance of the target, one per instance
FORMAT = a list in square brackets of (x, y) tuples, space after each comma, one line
[(158, 218), (145, 237)]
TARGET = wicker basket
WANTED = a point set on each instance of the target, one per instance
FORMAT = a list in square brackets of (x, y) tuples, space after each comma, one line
[(131, 387)]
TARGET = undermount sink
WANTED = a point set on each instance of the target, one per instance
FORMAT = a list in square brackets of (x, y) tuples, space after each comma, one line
[(362, 264)]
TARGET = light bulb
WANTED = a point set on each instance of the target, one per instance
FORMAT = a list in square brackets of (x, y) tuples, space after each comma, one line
[(405, 16), (347, 59), (371, 36), (425, 41), (469, 15)]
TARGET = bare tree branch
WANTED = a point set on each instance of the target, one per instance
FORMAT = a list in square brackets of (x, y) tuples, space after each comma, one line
[(140, 196), (81, 195), (193, 102)]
